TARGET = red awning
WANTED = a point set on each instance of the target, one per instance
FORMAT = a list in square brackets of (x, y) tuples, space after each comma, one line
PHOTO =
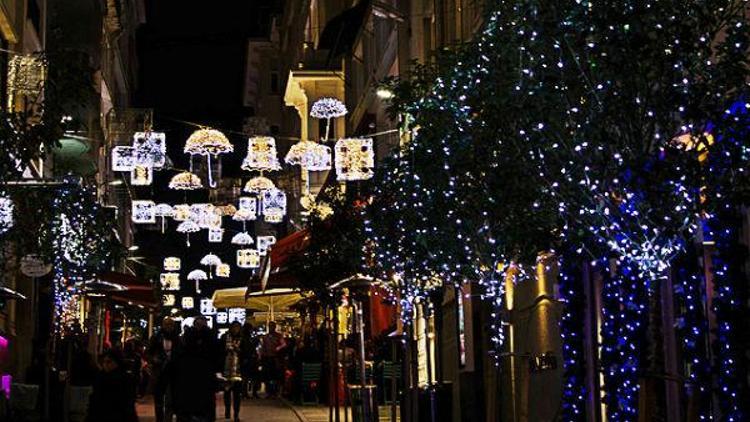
[(135, 297), (288, 246)]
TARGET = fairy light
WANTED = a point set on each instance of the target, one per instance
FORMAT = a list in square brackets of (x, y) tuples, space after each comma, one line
[(172, 263), (261, 154), (143, 212), (185, 181), (355, 159)]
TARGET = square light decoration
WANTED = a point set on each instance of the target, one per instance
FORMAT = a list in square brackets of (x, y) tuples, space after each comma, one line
[(123, 158), (172, 263), (249, 203), (223, 270), (221, 317), (170, 281), (168, 300), (150, 149), (187, 302), (215, 235), (355, 159), (181, 212), (141, 175), (143, 212), (264, 243), (274, 205), (236, 314), (261, 154), (248, 258), (207, 307)]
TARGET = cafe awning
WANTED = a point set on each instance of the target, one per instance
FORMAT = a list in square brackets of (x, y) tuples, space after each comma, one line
[(273, 300)]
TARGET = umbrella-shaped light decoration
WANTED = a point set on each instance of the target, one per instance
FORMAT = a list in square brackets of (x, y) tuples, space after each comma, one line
[(261, 154), (244, 216), (172, 263), (223, 270), (258, 184), (327, 108), (311, 156), (208, 142), (242, 239), (188, 227), (185, 181), (274, 205), (164, 211), (211, 260), (355, 159), (197, 276)]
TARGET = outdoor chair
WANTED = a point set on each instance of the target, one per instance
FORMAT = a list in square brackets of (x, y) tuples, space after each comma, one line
[(310, 381)]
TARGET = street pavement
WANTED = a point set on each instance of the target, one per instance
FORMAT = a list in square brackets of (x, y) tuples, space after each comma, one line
[(253, 410)]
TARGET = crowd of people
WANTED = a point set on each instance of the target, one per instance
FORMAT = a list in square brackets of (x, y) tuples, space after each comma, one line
[(185, 371)]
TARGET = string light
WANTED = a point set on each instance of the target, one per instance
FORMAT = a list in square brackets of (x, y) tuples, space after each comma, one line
[(261, 154), (355, 159)]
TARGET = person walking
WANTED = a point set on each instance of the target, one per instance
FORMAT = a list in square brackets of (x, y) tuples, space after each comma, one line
[(249, 359), (162, 348), (113, 396), (270, 354), (194, 375), (232, 344)]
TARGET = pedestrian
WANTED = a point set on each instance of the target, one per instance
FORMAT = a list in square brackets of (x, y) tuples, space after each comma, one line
[(271, 354), (232, 347), (249, 356), (194, 375), (162, 348), (113, 396)]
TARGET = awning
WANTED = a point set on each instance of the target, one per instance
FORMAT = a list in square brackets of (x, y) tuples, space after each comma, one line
[(287, 247), (130, 282), (273, 300)]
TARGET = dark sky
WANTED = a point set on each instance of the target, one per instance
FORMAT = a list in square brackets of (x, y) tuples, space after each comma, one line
[(192, 60)]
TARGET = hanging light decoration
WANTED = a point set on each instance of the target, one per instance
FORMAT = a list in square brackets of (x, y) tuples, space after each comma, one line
[(141, 175), (248, 203), (204, 216), (258, 184), (207, 307), (172, 263), (211, 260), (170, 281), (143, 212), (242, 239), (355, 159), (181, 212), (248, 258), (227, 210), (221, 317), (188, 227), (164, 211), (27, 75), (6, 213), (187, 302), (208, 142), (311, 156), (197, 276), (274, 205), (123, 158), (261, 154), (265, 243), (244, 215), (327, 108), (223, 270), (215, 235), (185, 181), (150, 149), (168, 300)]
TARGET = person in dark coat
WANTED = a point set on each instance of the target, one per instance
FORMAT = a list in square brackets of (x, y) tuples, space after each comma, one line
[(231, 348), (193, 374), (162, 348), (113, 396), (249, 357)]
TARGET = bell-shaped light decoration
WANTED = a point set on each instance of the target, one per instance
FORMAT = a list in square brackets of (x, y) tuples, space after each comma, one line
[(261, 154), (185, 181), (355, 159), (143, 212), (258, 184), (248, 258)]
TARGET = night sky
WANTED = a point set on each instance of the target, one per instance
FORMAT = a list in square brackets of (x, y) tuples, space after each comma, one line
[(192, 58)]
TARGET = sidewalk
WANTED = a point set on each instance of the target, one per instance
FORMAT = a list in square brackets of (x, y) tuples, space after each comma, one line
[(266, 410), (320, 413)]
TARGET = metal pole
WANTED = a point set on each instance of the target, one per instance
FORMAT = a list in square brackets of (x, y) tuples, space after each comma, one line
[(428, 350), (366, 411)]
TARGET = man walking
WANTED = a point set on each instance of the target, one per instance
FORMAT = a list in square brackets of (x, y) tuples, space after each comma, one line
[(162, 348), (270, 354)]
